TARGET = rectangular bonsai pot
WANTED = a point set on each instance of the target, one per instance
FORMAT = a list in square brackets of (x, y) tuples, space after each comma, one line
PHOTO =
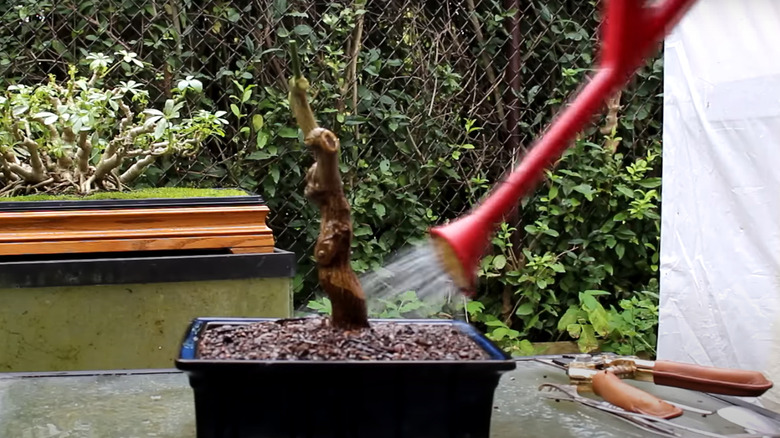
[(329, 399)]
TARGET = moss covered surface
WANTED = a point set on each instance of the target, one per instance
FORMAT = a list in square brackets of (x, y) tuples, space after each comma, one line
[(155, 193)]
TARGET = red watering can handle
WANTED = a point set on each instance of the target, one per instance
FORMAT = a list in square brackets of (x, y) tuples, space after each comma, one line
[(632, 29)]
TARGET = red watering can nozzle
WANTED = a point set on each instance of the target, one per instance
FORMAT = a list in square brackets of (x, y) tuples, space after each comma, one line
[(632, 29), (460, 245)]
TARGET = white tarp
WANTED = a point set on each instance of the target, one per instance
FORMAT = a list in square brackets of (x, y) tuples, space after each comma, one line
[(720, 232)]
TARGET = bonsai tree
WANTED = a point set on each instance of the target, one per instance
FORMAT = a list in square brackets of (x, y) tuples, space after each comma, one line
[(82, 135), (324, 187)]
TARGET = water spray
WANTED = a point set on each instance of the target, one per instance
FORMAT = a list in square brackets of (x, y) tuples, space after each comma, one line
[(632, 29)]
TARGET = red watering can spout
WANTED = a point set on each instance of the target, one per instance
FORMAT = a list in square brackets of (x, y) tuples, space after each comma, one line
[(631, 31)]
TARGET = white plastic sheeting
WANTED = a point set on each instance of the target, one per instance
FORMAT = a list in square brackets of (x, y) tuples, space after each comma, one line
[(720, 231)]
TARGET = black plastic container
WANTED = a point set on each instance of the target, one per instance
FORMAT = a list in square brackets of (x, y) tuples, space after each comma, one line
[(349, 399)]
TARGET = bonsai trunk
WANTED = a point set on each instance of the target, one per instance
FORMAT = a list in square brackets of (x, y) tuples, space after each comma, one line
[(324, 187)]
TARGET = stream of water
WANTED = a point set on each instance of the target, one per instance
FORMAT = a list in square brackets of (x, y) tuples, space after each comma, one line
[(413, 269)]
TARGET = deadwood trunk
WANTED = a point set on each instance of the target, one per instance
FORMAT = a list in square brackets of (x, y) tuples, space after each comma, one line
[(324, 187)]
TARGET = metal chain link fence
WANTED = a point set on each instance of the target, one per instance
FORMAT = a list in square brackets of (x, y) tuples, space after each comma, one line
[(433, 100)]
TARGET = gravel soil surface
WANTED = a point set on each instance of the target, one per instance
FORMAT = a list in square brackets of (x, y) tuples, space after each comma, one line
[(315, 339)]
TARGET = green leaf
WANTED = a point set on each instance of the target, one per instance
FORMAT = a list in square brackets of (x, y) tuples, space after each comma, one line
[(380, 210), (408, 307), (302, 30), (48, 118), (474, 307), (624, 233), (19, 110), (574, 330), (589, 302), (625, 191), (570, 317), (58, 47), (553, 193), (499, 333), (599, 320), (525, 309), (387, 100), (262, 139), (650, 183), (258, 155), (384, 166), (586, 190), (499, 262), (620, 217), (257, 122), (159, 130), (246, 96), (169, 107), (362, 231), (287, 132), (234, 109), (620, 250), (588, 341), (275, 174), (324, 307)]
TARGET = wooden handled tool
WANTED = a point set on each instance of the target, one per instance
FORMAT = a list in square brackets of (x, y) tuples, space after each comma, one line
[(614, 390), (715, 380)]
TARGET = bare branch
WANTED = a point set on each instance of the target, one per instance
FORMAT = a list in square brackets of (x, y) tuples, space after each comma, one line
[(7, 172), (156, 152), (85, 150), (12, 187), (137, 169), (139, 130), (486, 64), (22, 171), (42, 184), (124, 125), (95, 76), (38, 169)]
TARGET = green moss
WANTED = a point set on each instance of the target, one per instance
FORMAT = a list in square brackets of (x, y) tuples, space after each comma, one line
[(163, 192)]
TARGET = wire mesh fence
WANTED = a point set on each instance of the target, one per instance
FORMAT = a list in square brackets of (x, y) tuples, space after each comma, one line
[(433, 100)]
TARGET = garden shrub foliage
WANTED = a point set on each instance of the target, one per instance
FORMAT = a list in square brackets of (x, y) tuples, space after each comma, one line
[(425, 108)]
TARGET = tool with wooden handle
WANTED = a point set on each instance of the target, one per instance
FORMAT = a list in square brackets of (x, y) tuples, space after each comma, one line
[(611, 388), (614, 390), (715, 380), (650, 423)]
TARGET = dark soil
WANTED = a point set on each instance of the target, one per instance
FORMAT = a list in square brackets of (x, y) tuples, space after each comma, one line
[(316, 339)]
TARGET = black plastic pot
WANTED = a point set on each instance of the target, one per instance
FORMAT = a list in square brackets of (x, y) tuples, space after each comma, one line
[(329, 399)]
